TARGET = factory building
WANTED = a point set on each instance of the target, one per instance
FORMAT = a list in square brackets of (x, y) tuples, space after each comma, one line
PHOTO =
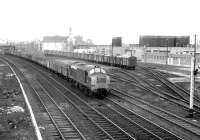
[(164, 41), (171, 59)]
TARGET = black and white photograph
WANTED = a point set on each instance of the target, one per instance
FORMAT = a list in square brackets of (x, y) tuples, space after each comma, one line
[(99, 70)]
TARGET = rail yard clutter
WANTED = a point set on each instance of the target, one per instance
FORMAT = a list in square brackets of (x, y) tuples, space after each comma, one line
[(124, 62)]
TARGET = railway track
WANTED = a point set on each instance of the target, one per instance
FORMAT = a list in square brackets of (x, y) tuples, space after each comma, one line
[(184, 106), (127, 124), (177, 98), (176, 89), (115, 113), (131, 79), (145, 81), (143, 128), (161, 133), (63, 128), (153, 66), (106, 126), (133, 104), (102, 121)]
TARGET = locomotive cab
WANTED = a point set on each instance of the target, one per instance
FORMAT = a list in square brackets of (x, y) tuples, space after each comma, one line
[(93, 79), (99, 80)]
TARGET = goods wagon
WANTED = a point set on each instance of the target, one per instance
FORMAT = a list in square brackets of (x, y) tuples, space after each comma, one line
[(131, 62), (92, 79), (124, 62)]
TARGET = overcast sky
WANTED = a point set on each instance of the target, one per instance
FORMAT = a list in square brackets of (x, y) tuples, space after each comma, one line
[(99, 20)]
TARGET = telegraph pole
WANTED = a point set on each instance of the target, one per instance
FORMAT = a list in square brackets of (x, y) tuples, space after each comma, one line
[(192, 82)]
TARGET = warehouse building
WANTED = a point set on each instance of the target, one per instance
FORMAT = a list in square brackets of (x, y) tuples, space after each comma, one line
[(164, 41), (171, 59)]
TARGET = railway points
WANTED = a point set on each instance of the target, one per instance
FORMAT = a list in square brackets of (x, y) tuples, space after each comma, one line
[(99, 70), (135, 85), (109, 127)]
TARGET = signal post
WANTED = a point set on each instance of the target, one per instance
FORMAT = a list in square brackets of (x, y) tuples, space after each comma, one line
[(192, 82)]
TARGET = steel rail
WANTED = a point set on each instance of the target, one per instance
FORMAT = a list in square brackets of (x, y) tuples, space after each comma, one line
[(50, 113), (187, 122), (88, 106)]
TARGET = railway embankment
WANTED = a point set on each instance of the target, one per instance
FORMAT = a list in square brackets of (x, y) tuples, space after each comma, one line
[(15, 121)]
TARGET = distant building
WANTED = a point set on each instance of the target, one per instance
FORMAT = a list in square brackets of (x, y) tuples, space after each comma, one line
[(98, 49), (164, 41), (103, 49), (4, 48), (117, 41), (54, 43)]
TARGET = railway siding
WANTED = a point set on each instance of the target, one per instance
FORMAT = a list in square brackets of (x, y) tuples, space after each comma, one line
[(113, 127), (87, 127), (115, 131), (183, 128)]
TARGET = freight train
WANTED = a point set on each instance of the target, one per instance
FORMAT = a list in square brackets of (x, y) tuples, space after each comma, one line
[(124, 62), (92, 79)]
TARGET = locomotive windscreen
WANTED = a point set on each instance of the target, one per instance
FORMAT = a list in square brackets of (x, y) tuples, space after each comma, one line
[(97, 70)]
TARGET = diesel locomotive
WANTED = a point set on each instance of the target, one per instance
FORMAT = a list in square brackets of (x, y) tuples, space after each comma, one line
[(91, 79)]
